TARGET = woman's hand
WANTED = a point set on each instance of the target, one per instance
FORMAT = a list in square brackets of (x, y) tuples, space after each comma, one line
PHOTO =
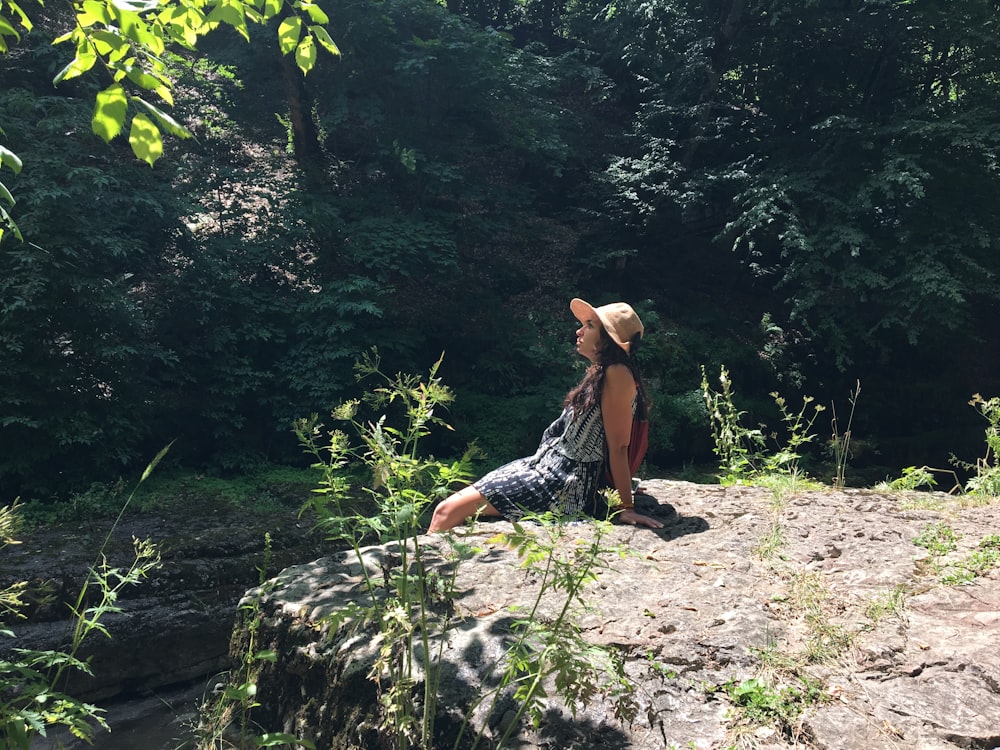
[(630, 517)]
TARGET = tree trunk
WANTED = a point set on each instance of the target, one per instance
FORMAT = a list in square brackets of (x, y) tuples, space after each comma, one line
[(305, 136)]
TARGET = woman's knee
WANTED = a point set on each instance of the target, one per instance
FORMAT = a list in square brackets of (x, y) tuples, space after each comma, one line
[(455, 509)]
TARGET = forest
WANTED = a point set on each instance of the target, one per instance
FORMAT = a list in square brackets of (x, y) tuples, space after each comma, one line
[(804, 193)]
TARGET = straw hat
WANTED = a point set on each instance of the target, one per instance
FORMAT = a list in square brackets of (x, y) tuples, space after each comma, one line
[(618, 319)]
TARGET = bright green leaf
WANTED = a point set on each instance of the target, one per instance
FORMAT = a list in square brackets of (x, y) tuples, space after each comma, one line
[(149, 37), (6, 220), (165, 121), (76, 67), (109, 43), (72, 34), (6, 195), (184, 25), (316, 14), (93, 12), (271, 8), (231, 16), (109, 112), (9, 159), (21, 15), (143, 79), (145, 140), (7, 29), (289, 32), (323, 37), (305, 55)]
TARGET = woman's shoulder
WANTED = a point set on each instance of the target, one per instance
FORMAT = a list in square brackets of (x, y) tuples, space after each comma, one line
[(619, 376)]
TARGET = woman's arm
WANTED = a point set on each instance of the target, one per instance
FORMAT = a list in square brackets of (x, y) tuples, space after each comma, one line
[(616, 408)]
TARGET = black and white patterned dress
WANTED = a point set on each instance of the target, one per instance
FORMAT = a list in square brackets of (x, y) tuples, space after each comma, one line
[(562, 476)]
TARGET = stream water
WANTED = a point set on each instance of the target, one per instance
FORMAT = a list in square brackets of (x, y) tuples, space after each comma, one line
[(163, 721)]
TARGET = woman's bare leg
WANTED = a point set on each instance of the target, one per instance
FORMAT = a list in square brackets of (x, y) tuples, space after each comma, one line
[(454, 510)]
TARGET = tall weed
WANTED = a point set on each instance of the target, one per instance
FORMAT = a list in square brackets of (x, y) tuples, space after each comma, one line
[(411, 601), (33, 696), (745, 455), (986, 481)]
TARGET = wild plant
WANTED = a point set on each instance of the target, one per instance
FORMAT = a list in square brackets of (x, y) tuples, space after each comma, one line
[(233, 704), (981, 561), (402, 487), (986, 481), (840, 443), (744, 456), (550, 651), (938, 538), (737, 447), (885, 604), (770, 542), (411, 602), (762, 704), (33, 695)]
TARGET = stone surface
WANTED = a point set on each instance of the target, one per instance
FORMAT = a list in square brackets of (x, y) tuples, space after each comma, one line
[(174, 627), (737, 585)]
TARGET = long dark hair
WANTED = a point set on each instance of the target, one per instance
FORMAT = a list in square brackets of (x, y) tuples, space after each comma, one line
[(587, 393)]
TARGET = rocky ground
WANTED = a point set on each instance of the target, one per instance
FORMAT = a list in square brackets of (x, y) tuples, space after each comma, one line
[(820, 592), (822, 597), (170, 640)]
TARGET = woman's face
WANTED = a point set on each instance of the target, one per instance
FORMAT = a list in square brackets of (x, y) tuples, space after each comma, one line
[(588, 339)]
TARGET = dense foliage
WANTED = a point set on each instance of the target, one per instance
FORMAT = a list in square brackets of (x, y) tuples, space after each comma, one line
[(802, 191)]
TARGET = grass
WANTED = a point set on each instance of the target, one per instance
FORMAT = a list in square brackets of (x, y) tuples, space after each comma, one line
[(887, 604), (272, 489)]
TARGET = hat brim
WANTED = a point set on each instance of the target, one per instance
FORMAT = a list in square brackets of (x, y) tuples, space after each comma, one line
[(583, 310)]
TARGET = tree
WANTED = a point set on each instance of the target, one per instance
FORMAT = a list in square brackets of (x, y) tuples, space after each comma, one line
[(844, 152), (132, 43)]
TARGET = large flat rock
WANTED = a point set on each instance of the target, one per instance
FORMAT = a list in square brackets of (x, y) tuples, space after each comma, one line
[(826, 586)]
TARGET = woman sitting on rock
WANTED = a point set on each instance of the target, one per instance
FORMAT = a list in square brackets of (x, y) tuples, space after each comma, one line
[(565, 473)]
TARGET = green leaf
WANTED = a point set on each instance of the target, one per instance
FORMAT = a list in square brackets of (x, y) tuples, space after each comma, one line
[(110, 107), (289, 32), (6, 220), (76, 67), (273, 739), (271, 8), (232, 16), (148, 37), (93, 12), (10, 159), (323, 37), (109, 43), (144, 80), (7, 29), (145, 140), (17, 11), (164, 120), (315, 13), (184, 25), (6, 195), (305, 55)]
